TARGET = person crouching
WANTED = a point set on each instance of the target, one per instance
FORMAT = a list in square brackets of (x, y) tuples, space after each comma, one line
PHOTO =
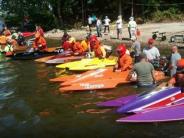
[(124, 60), (39, 43)]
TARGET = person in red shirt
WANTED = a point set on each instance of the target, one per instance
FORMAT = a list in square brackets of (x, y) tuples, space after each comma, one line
[(39, 42), (96, 47), (124, 60)]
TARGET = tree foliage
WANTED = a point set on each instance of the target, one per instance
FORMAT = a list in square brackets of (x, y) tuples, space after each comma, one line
[(63, 13)]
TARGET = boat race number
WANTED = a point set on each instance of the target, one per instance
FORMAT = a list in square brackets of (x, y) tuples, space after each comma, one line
[(91, 86)]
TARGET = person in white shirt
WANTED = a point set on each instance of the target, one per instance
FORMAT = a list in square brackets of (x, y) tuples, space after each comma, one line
[(90, 21), (119, 25), (151, 51), (99, 27), (132, 27), (106, 24)]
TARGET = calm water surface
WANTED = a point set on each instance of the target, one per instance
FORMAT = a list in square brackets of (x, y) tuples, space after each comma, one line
[(31, 106)]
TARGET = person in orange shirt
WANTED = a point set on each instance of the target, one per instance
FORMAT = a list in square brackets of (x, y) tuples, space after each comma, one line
[(3, 42), (76, 47), (39, 43), (178, 79), (85, 44), (96, 47), (124, 60)]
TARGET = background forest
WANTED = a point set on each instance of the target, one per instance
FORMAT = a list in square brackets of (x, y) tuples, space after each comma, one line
[(73, 13)]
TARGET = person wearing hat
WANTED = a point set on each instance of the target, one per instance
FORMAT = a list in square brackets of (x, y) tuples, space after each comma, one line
[(124, 60), (39, 42), (151, 51), (144, 71), (132, 27), (175, 56), (135, 48), (106, 24)]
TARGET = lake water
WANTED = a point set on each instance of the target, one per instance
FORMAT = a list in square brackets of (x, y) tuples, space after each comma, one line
[(31, 106)]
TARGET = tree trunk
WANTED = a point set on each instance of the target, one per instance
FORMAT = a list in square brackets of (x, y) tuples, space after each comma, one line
[(59, 13)]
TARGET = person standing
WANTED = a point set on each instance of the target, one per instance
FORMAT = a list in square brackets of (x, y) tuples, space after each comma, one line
[(175, 56), (136, 48), (144, 71), (152, 53), (132, 27), (99, 27), (106, 24), (90, 21), (119, 25)]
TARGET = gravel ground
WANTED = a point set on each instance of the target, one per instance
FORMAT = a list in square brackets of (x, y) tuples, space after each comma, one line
[(146, 32)]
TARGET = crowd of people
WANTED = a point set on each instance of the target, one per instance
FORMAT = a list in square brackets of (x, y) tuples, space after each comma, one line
[(11, 40), (133, 59), (105, 23)]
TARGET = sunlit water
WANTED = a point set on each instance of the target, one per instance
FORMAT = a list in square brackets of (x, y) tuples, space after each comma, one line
[(31, 106)]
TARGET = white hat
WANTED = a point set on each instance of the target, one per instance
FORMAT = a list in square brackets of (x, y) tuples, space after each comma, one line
[(131, 18)]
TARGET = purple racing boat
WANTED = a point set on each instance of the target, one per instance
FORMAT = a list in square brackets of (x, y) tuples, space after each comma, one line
[(156, 106)]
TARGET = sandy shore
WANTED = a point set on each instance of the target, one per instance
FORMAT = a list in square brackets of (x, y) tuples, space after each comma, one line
[(146, 32)]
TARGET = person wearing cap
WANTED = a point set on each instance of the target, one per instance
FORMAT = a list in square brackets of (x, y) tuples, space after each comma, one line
[(106, 24), (39, 42), (151, 51), (119, 25), (177, 80), (97, 48), (175, 56), (135, 48), (132, 27), (144, 71), (124, 60)]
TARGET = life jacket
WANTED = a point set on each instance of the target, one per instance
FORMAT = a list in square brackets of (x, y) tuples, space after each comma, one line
[(100, 52), (180, 63), (125, 62), (85, 46), (40, 41), (77, 48), (8, 50)]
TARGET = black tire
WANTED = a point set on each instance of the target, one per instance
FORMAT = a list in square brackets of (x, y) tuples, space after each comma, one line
[(164, 38), (172, 39)]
